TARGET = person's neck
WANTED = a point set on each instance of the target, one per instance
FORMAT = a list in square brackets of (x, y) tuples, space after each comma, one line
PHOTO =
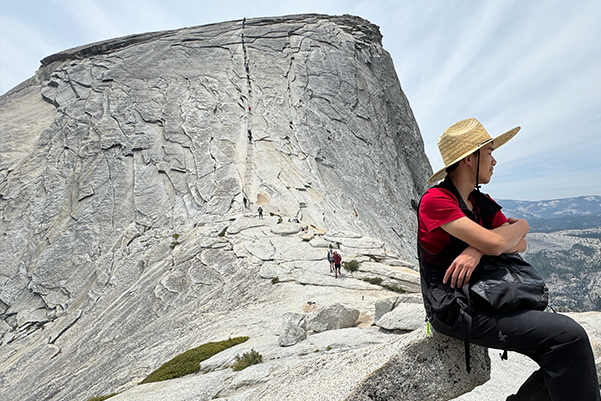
[(464, 186)]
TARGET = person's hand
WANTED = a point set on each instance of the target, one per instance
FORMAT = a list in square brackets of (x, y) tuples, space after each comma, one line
[(513, 220), (462, 267), (521, 245)]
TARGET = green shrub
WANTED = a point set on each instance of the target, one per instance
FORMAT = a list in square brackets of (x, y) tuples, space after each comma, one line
[(394, 288), (102, 398), (378, 281), (189, 361), (275, 280), (351, 266), (373, 280), (247, 359), (175, 241)]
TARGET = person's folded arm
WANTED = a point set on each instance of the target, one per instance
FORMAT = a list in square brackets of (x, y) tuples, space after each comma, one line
[(505, 239), (490, 242)]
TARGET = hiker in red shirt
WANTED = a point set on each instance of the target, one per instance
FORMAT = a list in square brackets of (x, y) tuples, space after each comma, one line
[(337, 261)]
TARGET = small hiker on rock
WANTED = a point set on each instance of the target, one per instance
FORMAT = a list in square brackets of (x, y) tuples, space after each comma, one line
[(250, 136), (260, 210), (337, 261), (245, 201), (331, 259)]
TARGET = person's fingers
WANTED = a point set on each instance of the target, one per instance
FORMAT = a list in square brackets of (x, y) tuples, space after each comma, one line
[(448, 274), (460, 277), (456, 276), (451, 275), (467, 277)]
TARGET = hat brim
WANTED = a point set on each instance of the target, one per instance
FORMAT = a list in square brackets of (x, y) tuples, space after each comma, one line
[(498, 142)]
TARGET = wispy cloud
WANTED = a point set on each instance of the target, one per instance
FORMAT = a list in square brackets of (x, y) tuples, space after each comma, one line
[(534, 64)]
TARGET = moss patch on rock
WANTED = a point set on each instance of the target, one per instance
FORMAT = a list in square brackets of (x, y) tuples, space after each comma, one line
[(189, 361)]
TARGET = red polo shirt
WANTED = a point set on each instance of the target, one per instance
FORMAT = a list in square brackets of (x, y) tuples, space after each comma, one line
[(438, 207)]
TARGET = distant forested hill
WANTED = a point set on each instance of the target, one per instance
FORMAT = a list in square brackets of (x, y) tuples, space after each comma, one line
[(564, 243), (557, 214)]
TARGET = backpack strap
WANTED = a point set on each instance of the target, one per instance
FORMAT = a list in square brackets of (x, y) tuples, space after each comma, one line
[(466, 324)]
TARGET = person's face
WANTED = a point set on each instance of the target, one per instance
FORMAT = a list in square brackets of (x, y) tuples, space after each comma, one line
[(487, 163)]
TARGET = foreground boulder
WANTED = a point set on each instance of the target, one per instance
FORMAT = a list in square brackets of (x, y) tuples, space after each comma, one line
[(385, 305), (332, 317), (293, 329), (430, 368), (405, 317)]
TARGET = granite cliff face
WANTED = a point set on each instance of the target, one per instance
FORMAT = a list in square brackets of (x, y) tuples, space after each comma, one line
[(151, 131), (131, 173), (125, 237)]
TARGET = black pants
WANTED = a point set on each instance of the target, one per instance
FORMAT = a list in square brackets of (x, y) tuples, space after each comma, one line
[(558, 344)]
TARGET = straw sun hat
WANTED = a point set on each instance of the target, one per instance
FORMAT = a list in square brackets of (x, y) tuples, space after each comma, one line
[(462, 139)]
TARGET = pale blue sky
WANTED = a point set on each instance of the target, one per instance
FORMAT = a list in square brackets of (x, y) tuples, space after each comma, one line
[(531, 63)]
